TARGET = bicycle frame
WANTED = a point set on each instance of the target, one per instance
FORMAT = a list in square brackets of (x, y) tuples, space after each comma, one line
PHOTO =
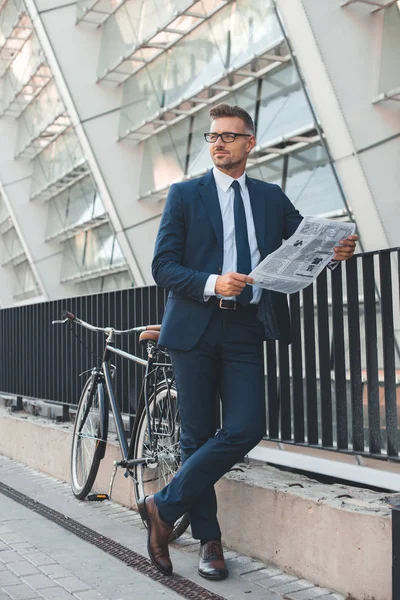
[(151, 367)]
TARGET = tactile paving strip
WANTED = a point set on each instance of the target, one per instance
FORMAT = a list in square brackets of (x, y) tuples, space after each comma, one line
[(182, 586)]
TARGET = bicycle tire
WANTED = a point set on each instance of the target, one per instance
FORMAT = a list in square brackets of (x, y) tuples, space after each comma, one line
[(168, 453), (91, 423)]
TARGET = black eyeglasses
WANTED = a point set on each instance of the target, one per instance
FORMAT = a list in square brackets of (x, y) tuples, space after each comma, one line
[(227, 137)]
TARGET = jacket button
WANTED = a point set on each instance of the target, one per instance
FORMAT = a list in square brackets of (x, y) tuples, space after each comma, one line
[(219, 270)]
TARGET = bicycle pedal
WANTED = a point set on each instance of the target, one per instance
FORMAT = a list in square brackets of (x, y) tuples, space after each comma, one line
[(97, 497)]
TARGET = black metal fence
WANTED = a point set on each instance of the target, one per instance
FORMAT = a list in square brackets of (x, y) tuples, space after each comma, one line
[(337, 386)]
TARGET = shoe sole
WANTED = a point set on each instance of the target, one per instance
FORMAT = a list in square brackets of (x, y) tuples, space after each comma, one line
[(213, 577), (141, 504)]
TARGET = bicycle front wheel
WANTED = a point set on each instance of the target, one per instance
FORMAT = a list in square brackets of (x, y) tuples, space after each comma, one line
[(165, 428), (89, 438)]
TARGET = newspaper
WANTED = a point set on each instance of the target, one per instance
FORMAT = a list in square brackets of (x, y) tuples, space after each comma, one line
[(302, 257)]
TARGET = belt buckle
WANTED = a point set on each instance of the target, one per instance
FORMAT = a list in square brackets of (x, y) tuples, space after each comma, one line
[(226, 307)]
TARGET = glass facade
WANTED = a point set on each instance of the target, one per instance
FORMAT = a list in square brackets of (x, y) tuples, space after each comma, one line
[(174, 59), (14, 260), (237, 55), (61, 178)]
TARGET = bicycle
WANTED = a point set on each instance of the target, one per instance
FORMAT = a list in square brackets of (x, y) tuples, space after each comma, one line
[(153, 455)]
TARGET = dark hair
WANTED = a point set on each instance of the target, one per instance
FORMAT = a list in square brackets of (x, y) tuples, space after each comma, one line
[(226, 110)]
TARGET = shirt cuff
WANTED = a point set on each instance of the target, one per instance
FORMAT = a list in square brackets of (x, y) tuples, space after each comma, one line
[(333, 264), (209, 288)]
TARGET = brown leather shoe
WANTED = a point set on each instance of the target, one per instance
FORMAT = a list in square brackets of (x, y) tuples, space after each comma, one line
[(211, 561), (158, 535)]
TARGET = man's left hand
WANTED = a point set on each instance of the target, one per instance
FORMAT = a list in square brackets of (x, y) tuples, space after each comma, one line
[(346, 248)]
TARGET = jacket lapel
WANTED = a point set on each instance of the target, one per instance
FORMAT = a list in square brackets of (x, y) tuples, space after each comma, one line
[(209, 196), (258, 207)]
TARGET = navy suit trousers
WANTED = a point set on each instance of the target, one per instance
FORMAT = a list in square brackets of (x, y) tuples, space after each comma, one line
[(226, 363)]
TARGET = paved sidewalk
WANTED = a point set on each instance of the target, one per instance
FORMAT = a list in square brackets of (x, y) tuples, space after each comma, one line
[(40, 559)]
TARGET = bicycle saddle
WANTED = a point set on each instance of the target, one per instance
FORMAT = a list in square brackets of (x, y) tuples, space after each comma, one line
[(152, 333)]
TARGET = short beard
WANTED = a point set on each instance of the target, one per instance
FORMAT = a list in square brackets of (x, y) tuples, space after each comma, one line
[(229, 166)]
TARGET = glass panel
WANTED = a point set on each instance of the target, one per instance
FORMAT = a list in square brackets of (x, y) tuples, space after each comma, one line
[(164, 158), (75, 206), (271, 171), (245, 29), (21, 70), (12, 243), (61, 157), (117, 281), (254, 28), (27, 285), (143, 95), (137, 22), (38, 116), (283, 107), (90, 251), (193, 63), (311, 185), (8, 18), (199, 150), (119, 36)]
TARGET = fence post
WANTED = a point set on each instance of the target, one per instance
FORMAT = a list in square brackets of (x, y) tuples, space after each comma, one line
[(18, 404), (395, 550)]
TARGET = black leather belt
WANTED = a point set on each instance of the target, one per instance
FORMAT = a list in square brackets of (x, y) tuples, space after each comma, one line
[(231, 304)]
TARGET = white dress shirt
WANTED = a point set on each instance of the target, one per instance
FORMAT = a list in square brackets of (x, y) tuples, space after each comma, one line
[(226, 197)]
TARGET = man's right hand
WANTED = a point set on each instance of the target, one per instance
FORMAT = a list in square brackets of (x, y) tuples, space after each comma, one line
[(231, 284)]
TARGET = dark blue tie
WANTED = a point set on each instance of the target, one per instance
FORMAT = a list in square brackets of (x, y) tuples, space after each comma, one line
[(242, 244)]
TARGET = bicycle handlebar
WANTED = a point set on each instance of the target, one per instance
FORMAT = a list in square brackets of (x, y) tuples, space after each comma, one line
[(70, 318)]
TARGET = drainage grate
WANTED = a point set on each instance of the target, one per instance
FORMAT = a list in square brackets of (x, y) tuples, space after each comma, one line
[(182, 586)]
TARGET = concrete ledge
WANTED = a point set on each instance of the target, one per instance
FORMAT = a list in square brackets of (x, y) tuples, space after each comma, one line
[(334, 535)]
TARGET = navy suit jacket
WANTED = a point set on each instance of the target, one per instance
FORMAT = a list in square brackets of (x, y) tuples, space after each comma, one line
[(189, 247)]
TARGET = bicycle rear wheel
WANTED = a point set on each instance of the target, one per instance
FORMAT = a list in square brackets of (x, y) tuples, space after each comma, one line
[(89, 438), (165, 427)]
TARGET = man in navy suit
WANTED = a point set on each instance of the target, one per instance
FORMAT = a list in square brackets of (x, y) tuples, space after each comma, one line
[(213, 232)]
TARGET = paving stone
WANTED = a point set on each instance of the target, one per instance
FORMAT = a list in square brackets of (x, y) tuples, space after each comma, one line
[(8, 556), (72, 584), (9, 538), (3, 546), (252, 567), (38, 582), (294, 586), (4, 529), (23, 567), (310, 594), (191, 548), (272, 582), (55, 571), (262, 574), (185, 542), (8, 578), (331, 597), (22, 546), (37, 558), (336, 596), (56, 593), (20, 592), (89, 595)]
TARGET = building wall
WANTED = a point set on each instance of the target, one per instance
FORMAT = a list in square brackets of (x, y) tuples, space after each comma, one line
[(128, 91)]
